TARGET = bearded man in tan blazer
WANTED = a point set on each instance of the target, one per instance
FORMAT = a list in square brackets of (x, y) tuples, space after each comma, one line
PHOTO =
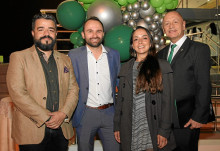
[(42, 85)]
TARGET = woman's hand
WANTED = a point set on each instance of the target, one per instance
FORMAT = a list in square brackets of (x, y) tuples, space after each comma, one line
[(161, 141), (117, 136)]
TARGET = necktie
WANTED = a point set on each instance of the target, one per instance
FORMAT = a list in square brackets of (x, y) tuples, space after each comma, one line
[(171, 53)]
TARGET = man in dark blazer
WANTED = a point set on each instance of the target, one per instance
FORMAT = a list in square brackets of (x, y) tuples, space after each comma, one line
[(96, 70), (190, 62)]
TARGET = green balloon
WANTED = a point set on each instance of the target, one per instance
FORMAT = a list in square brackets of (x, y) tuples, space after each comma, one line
[(76, 46), (156, 3), (161, 9), (167, 1), (131, 1), (118, 38), (175, 3), (80, 41), (80, 29), (122, 2), (74, 37), (86, 6), (87, 1), (170, 5), (70, 14)]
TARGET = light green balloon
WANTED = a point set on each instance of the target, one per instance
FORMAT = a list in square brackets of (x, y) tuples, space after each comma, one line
[(170, 5), (122, 2), (175, 3), (167, 1), (161, 9), (156, 3), (131, 1)]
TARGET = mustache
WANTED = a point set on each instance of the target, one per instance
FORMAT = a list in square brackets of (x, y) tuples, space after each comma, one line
[(46, 37)]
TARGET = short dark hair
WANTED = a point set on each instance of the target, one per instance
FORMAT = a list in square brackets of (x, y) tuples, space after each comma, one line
[(44, 16), (95, 19)]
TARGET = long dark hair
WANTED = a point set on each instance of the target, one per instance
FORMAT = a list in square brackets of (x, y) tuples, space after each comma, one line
[(149, 76)]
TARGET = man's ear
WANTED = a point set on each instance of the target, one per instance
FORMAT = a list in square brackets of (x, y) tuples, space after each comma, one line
[(184, 24), (32, 33), (83, 34)]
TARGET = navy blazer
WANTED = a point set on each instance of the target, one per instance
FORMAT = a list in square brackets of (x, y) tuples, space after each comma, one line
[(192, 86), (78, 57)]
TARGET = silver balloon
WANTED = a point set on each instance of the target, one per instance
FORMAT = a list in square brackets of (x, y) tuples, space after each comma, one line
[(107, 11), (142, 23), (132, 23), (156, 39), (126, 16), (148, 19), (160, 21), (162, 41), (156, 31), (152, 33), (149, 11), (129, 7), (156, 17), (136, 6), (134, 15), (157, 46), (145, 5), (153, 26)]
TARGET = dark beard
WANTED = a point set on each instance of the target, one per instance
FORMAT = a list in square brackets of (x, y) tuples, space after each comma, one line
[(45, 47), (96, 45)]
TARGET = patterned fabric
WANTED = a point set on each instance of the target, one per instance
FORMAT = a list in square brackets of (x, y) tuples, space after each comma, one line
[(141, 139)]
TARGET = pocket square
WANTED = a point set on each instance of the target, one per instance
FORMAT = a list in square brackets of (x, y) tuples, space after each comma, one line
[(66, 69)]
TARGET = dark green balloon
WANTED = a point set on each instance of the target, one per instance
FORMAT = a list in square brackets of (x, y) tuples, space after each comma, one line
[(74, 37), (70, 14), (118, 38), (80, 41)]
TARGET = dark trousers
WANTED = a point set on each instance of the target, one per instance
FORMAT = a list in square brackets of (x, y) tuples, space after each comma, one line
[(186, 139), (53, 141)]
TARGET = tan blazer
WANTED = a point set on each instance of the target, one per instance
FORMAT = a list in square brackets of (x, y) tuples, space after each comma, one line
[(28, 90)]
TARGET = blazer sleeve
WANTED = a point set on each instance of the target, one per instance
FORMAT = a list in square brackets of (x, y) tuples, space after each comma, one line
[(203, 85), (18, 91)]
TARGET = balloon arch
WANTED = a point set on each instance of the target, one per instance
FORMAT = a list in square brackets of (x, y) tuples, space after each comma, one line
[(119, 18)]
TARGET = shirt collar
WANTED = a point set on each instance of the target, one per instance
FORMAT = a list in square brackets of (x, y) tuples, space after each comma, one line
[(179, 42), (103, 49)]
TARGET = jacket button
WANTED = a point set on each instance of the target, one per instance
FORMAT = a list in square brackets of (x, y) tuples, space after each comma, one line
[(123, 85), (155, 117), (87, 88), (153, 102), (44, 98)]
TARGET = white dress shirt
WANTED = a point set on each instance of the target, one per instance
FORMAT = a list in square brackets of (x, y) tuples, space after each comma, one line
[(100, 89), (179, 43)]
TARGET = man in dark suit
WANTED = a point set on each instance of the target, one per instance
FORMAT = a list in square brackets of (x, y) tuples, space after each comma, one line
[(190, 62), (96, 68)]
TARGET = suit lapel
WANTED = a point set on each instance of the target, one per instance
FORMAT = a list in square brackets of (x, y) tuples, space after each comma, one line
[(38, 66), (182, 49), (84, 65), (60, 68), (110, 63)]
